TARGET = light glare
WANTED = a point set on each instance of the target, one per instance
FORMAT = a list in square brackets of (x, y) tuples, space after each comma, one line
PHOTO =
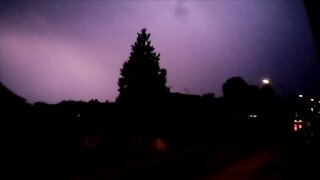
[(266, 81)]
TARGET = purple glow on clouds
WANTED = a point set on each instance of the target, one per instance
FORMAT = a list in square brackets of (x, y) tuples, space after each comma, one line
[(56, 50)]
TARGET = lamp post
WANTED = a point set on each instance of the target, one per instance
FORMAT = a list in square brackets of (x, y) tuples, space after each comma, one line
[(276, 85)]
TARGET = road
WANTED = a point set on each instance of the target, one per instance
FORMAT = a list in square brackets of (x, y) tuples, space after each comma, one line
[(256, 166), (227, 163)]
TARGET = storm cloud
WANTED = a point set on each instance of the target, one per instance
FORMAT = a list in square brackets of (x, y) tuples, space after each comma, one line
[(56, 50)]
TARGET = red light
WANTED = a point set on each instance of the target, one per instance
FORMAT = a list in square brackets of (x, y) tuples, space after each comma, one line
[(300, 126), (295, 127)]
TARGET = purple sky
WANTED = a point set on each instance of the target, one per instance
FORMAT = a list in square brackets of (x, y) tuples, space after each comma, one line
[(56, 50)]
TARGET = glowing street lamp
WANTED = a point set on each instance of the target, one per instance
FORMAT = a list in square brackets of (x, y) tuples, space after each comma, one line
[(300, 95), (266, 81)]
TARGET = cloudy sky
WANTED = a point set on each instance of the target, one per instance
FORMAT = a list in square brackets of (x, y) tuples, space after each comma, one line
[(56, 50)]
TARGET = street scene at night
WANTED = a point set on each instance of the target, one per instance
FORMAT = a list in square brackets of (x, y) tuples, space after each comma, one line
[(177, 89)]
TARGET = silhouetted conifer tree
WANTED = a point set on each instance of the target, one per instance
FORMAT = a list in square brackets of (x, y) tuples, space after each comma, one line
[(142, 79)]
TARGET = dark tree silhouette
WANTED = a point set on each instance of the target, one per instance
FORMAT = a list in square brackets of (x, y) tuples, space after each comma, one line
[(236, 96), (142, 79), (269, 98), (235, 88), (267, 92)]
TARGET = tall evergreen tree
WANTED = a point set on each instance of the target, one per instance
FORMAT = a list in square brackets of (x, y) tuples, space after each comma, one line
[(142, 79)]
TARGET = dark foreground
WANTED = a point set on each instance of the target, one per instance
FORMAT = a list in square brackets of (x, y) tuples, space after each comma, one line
[(285, 160)]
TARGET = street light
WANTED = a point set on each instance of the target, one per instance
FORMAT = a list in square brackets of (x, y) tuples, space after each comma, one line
[(266, 81), (300, 95)]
